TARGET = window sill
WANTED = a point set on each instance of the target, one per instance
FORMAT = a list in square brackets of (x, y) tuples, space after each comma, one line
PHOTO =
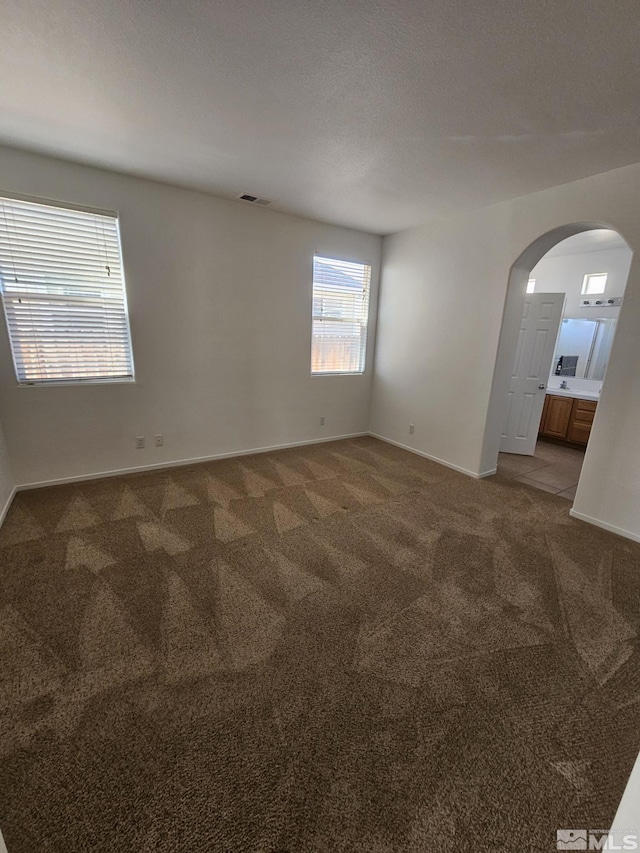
[(76, 383), (339, 373)]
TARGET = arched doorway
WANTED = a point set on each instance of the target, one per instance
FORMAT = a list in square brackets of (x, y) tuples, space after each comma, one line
[(511, 328)]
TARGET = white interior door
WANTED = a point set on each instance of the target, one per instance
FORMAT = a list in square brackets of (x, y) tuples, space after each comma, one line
[(536, 347)]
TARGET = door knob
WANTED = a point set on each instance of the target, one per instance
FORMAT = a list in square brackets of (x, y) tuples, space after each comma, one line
[(541, 387)]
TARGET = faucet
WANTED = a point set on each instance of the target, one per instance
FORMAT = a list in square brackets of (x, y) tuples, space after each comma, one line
[(564, 385)]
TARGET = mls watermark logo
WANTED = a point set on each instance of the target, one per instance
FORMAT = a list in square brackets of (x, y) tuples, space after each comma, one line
[(572, 839), (596, 839)]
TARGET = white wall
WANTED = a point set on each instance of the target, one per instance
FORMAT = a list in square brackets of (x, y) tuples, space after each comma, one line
[(443, 288), (440, 314), (7, 483), (220, 305), (565, 274)]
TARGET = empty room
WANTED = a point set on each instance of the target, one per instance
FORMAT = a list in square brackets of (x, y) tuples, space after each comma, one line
[(319, 426)]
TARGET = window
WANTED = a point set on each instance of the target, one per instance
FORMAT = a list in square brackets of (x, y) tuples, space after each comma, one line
[(340, 315), (531, 285), (63, 294), (594, 282)]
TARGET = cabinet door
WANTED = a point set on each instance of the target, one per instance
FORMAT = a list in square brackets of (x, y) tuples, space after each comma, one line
[(556, 422), (545, 409), (579, 432)]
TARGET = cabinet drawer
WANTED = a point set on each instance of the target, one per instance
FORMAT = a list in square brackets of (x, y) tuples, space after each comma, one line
[(583, 417), (586, 405), (579, 432)]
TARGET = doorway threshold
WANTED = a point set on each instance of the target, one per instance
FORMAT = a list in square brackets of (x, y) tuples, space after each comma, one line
[(553, 468)]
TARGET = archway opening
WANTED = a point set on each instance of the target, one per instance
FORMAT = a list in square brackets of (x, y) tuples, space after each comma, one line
[(572, 381)]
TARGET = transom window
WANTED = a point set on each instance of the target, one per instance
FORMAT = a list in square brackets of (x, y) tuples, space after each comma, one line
[(594, 282), (63, 293), (340, 315)]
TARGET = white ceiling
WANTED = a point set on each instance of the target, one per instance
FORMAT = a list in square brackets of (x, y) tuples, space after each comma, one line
[(589, 241), (379, 114)]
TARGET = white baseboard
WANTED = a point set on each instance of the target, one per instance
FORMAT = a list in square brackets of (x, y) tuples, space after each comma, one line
[(179, 463), (635, 537), (3, 515), (484, 474), (620, 531), (435, 458)]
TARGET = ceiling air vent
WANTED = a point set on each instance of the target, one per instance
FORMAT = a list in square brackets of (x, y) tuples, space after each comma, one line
[(253, 199)]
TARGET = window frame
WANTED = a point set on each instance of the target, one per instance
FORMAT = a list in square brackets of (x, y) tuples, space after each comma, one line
[(75, 381), (365, 325)]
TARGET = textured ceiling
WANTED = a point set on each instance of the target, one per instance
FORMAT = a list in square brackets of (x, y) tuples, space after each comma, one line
[(378, 115)]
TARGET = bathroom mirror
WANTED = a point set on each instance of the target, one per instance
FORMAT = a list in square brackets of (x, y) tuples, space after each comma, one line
[(583, 348)]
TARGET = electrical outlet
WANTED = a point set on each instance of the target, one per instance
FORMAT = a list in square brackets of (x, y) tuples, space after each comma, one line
[(322, 421), (412, 429), (158, 440), (140, 442)]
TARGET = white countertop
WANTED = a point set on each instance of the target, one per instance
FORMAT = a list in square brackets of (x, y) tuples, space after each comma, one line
[(569, 392)]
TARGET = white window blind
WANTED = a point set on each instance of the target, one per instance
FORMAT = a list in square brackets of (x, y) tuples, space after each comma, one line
[(63, 293), (340, 315)]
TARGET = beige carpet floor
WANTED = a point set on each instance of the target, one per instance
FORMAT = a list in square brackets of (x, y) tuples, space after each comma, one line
[(341, 647)]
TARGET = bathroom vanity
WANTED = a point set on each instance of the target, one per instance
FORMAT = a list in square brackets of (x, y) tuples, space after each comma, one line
[(567, 417), (563, 408), (573, 390)]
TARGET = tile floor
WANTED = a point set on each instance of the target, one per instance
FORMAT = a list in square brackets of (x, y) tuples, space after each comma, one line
[(553, 468)]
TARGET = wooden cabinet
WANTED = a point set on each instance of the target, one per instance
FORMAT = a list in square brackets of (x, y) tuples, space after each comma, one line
[(557, 416), (567, 419), (582, 418)]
